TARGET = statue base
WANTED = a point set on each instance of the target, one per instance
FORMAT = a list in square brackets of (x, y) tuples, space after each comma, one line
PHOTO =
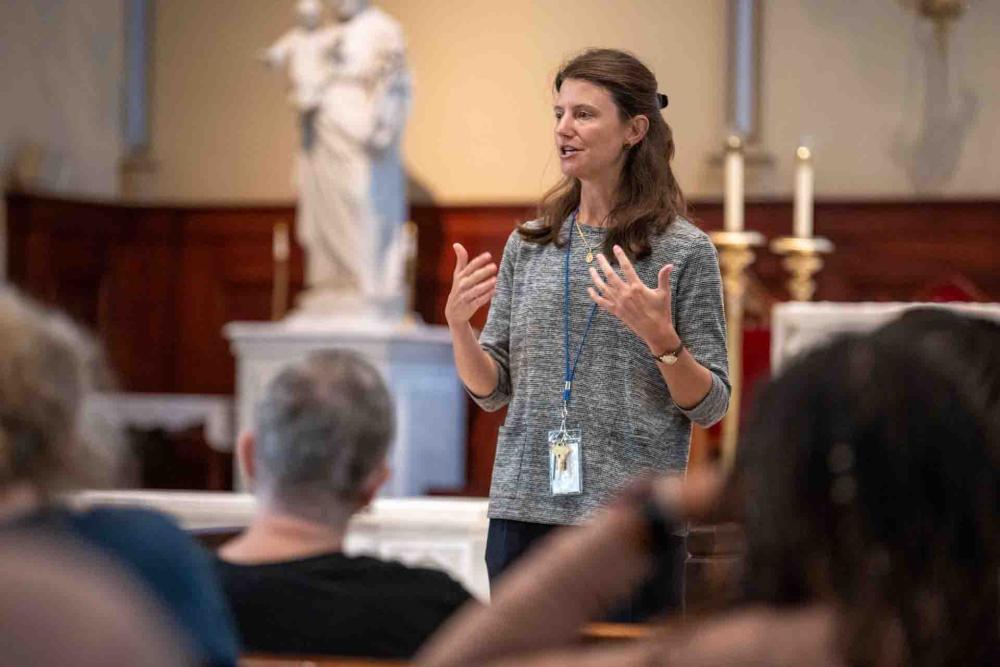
[(417, 363), (329, 305)]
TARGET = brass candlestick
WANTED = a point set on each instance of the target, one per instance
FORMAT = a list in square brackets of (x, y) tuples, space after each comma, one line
[(802, 261), (735, 255)]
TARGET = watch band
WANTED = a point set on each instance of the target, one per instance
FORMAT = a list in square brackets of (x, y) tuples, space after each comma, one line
[(670, 357)]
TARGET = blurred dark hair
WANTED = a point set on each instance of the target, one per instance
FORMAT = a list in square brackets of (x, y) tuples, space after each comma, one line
[(964, 346), (648, 196), (870, 481)]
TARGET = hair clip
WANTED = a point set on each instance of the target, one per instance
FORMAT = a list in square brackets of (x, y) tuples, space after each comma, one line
[(662, 100)]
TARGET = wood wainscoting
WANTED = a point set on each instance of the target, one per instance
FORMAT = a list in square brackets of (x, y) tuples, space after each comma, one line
[(158, 282)]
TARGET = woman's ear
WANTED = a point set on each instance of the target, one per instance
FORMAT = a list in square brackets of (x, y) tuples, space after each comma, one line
[(638, 126)]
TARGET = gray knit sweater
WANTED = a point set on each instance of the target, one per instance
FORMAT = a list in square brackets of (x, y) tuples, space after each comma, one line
[(620, 401)]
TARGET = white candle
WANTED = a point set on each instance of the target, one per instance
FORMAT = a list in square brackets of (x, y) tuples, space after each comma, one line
[(733, 207), (803, 220)]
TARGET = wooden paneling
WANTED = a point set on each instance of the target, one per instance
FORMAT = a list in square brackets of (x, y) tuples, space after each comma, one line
[(478, 228), (157, 283), (885, 251)]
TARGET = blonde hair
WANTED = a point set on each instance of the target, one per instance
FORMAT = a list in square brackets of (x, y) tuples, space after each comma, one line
[(47, 368)]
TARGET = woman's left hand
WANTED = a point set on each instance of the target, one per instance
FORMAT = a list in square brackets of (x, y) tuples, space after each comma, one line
[(643, 310)]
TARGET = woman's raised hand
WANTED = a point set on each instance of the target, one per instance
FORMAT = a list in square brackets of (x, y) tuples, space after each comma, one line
[(472, 285), (643, 310)]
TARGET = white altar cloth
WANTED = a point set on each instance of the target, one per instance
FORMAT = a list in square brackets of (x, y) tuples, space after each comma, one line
[(798, 326)]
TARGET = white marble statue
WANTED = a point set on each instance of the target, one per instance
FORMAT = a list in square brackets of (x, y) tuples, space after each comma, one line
[(351, 88)]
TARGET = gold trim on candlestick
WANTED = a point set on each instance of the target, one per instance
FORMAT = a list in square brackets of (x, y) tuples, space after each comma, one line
[(802, 261), (735, 256)]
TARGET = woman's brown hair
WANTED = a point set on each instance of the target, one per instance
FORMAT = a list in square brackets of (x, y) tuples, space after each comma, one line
[(648, 197)]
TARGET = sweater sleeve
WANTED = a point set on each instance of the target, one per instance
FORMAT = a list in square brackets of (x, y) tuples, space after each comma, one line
[(495, 337), (700, 320)]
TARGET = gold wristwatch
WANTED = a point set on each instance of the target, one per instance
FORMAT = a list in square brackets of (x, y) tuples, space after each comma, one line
[(670, 357)]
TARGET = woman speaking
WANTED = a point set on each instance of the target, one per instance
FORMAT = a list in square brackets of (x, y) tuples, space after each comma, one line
[(606, 334)]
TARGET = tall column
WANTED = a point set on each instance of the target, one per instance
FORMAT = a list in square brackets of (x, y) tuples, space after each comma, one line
[(744, 58)]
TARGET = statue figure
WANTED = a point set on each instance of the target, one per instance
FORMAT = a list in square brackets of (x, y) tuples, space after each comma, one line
[(351, 88)]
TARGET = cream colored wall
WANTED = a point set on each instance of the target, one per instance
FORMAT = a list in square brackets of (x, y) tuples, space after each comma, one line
[(482, 123), (480, 131), (60, 101), (856, 81), (221, 127)]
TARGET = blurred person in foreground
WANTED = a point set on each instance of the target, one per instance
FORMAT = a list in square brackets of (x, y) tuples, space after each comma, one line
[(318, 456), (51, 589), (48, 367), (867, 481), (970, 345)]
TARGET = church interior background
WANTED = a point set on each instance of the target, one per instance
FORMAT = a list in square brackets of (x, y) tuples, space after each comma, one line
[(146, 159)]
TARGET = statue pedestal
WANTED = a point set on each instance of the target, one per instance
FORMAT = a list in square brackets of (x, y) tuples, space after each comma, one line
[(315, 307), (417, 364)]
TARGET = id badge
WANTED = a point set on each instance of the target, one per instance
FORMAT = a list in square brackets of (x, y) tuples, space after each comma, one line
[(565, 469)]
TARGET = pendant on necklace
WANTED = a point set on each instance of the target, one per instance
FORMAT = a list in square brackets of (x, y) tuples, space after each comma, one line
[(589, 257)]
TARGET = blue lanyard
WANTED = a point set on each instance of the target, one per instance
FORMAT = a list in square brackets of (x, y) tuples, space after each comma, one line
[(571, 365)]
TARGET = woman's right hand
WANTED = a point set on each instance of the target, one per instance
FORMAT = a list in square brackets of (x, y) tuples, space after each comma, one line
[(472, 286)]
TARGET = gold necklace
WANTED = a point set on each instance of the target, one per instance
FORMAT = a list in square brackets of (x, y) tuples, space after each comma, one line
[(590, 250)]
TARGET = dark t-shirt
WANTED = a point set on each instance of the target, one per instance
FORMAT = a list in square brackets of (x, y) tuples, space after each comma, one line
[(334, 604)]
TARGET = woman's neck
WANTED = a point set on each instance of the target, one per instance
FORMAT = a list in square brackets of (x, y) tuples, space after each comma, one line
[(596, 201)]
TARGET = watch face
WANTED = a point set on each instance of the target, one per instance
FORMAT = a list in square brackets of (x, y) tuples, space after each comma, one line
[(670, 358)]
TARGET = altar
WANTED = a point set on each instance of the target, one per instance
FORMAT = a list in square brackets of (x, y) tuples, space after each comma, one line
[(416, 362), (799, 326)]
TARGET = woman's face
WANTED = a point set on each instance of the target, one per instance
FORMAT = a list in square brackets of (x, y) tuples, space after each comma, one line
[(590, 135)]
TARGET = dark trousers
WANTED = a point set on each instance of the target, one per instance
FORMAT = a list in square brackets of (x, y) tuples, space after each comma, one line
[(662, 592)]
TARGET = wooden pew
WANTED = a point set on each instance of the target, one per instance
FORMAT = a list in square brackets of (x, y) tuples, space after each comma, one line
[(260, 660), (714, 566), (600, 633), (590, 634)]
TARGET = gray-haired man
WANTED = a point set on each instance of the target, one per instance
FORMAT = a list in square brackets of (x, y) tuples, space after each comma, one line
[(318, 455)]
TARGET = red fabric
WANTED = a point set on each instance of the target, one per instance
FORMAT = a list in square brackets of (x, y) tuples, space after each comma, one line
[(956, 288)]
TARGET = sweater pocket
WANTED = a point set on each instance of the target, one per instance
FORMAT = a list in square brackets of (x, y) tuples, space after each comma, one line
[(508, 460), (658, 454)]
